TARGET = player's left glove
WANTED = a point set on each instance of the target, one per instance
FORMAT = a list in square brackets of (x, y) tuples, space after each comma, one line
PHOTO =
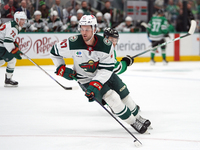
[(93, 89), (16, 52), (16, 44), (65, 72), (128, 59)]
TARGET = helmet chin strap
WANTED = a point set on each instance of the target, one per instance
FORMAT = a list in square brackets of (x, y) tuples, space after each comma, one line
[(92, 34), (18, 24)]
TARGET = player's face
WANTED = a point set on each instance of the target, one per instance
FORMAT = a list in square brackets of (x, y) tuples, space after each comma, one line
[(21, 22), (128, 23), (37, 17), (54, 18), (99, 18), (113, 40), (86, 32)]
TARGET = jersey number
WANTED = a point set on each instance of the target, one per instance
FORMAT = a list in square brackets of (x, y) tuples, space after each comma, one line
[(13, 34), (156, 26), (63, 43)]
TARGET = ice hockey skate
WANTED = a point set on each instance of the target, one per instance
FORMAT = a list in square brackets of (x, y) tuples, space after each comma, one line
[(146, 122), (10, 83), (139, 127), (165, 62), (152, 62)]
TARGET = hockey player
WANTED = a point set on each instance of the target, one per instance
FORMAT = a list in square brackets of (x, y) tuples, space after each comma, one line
[(37, 24), (55, 24), (157, 31), (126, 26), (94, 61), (120, 66), (100, 21), (9, 50), (73, 25)]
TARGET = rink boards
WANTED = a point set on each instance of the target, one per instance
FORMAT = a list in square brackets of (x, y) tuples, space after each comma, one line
[(38, 45)]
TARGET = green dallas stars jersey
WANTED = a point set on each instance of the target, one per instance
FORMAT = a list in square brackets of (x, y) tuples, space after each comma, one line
[(157, 28), (90, 62)]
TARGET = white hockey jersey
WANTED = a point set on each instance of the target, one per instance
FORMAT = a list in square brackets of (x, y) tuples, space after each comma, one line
[(38, 26), (8, 34), (122, 27), (56, 26), (90, 62)]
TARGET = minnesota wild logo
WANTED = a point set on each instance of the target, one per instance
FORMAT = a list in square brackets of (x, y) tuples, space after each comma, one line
[(73, 38), (107, 42), (89, 66)]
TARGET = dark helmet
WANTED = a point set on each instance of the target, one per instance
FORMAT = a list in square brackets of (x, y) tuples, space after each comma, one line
[(108, 32), (160, 11)]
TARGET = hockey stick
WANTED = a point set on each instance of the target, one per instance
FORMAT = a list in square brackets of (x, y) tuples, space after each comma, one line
[(190, 32), (66, 88), (137, 143)]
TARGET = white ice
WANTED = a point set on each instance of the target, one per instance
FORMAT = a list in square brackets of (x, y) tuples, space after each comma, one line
[(41, 115)]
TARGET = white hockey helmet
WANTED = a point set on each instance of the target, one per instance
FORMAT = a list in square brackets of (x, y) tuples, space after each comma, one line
[(73, 18), (80, 11), (107, 16), (37, 12), (54, 13), (19, 15), (99, 14), (128, 18), (88, 20)]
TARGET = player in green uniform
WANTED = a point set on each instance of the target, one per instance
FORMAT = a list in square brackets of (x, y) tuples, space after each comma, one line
[(158, 30), (94, 62), (9, 50)]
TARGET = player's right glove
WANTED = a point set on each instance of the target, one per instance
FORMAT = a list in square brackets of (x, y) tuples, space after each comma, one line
[(16, 53), (93, 89), (65, 72), (128, 59)]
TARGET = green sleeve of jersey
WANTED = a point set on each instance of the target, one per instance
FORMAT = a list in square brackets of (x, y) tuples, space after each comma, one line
[(120, 67), (164, 26), (149, 26)]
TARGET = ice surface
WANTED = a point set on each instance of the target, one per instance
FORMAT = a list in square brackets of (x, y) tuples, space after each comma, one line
[(41, 115)]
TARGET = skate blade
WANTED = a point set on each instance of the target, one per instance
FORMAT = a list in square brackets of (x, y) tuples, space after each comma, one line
[(150, 128), (9, 85), (147, 132)]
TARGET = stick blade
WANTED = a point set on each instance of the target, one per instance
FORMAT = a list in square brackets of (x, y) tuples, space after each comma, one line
[(192, 27), (137, 143)]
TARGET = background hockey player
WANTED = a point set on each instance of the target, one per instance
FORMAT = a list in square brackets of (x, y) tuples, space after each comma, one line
[(158, 30), (126, 26), (120, 66), (55, 24), (73, 25), (100, 22), (37, 24), (9, 50), (94, 61)]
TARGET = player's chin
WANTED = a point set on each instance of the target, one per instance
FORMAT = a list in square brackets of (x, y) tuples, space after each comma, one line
[(86, 39)]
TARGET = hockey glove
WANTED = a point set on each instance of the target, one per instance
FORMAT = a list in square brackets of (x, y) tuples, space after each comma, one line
[(16, 44), (16, 53), (167, 35), (93, 89), (128, 59), (65, 72)]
